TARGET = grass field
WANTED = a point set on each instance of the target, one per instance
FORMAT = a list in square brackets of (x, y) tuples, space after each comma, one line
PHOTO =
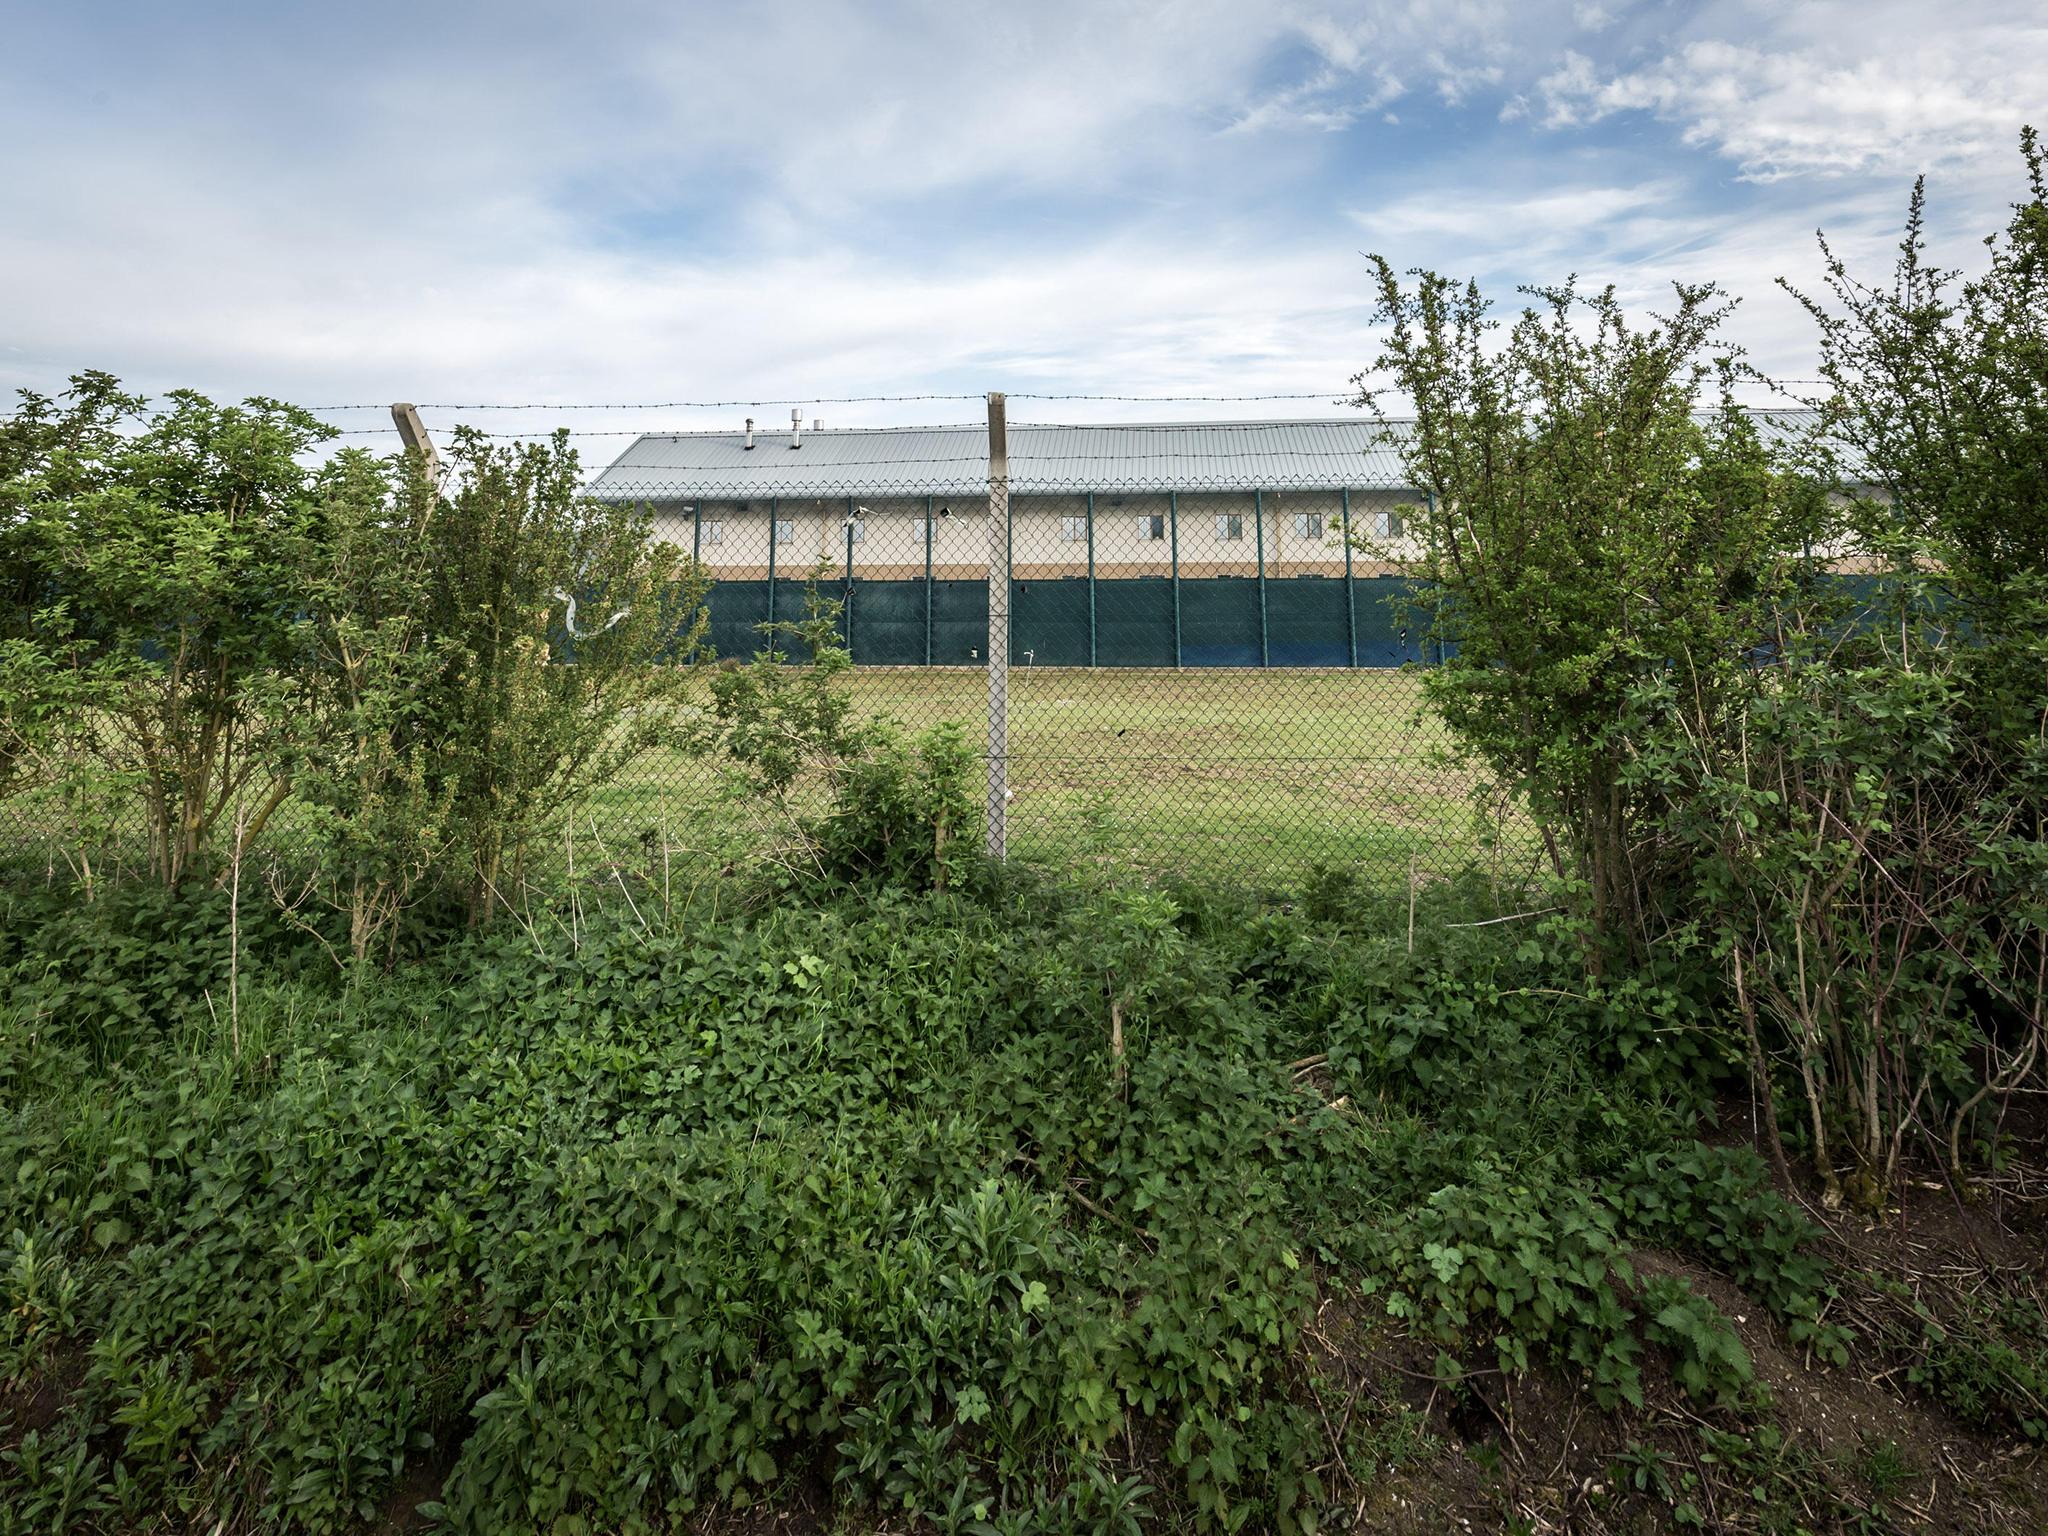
[(1245, 775)]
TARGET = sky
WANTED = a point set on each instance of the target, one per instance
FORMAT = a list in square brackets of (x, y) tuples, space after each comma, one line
[(624, 202)]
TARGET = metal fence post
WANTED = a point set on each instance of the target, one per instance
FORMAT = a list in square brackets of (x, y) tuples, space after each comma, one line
[(1350, 591), (1091, 578), (774, 523), (1173, 531), (1429, 503), (848, 603), (1259, 533), (927, 581), (998, 628)]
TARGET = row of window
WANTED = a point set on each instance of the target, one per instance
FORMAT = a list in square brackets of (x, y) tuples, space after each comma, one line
[(1151, 528), (713, 532)]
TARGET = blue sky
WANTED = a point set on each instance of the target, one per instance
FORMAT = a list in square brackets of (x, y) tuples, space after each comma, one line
[(614, 201)]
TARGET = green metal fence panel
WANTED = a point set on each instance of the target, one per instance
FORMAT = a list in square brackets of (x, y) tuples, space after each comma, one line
[(1306, 622), (789, 606), (738, 608), (1049, 622), (1389, 631), (959, 623), (890, 630), (1309, 622), (1134, 622), (1219, 621)]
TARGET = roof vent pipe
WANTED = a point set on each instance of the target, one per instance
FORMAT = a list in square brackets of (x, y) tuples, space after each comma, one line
[(796, 429), (817, 423), (750, 434)]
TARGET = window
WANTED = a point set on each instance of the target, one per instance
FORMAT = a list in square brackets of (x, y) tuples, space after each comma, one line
[(1380, 524), (785, 530), (1073, 530), (1308, 525), (857, 530), (714, 533), (1229, 525), (1152, 529), (920, 528)]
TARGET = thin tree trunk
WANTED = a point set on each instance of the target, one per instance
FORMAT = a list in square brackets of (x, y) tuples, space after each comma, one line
[(1760, 1076)]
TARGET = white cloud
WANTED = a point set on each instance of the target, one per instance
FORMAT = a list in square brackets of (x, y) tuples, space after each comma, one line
[(1881, 88), (1369, 55), (1160, 196), (408, 315)]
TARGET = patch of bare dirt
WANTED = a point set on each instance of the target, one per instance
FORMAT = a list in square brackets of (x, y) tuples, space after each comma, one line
[(420, 1483)]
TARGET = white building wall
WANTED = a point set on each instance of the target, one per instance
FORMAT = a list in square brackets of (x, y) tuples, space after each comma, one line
[(893, 543)]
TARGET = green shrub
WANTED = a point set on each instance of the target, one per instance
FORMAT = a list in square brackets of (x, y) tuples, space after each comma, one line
[(624, 1223)]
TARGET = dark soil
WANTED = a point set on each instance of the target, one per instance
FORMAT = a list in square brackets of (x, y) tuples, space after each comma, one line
[(1862, 1449)]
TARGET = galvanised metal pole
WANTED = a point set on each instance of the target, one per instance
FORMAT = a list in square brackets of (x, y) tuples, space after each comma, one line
[(1350, 591), (847, 604), (1091, 578), (1259, 532), (774, 524), (1173, 532), (927, 581), (999, 552), (697, 533), (1429, 502)]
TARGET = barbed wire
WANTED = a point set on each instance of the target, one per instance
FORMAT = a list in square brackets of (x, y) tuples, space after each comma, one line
[(1024, 394), (651, 405), (835, 433), (1336, 397), (521, 436)]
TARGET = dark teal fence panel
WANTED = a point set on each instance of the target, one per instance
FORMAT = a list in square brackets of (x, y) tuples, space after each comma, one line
[(888, 625), (1389, 630), (790, 597), (960, 623), (1134, 622), (1306, 622), (1219, 621), (738, 608), (1049, 622)]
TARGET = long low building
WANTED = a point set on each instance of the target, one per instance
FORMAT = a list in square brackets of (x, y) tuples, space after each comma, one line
[(1270, 543)]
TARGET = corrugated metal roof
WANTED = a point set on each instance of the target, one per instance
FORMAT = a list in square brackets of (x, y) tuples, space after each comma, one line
[(1354, 453)]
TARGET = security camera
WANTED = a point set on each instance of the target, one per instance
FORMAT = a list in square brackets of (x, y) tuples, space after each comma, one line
[(945, 511)]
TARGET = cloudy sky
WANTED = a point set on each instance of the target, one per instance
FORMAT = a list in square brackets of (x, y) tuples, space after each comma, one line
[(653, 202)]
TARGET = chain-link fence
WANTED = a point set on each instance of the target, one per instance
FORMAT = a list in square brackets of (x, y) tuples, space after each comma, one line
[(1213, 668), (1213, 665)]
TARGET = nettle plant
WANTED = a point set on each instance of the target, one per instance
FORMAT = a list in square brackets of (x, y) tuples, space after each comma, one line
[(1596, 506)]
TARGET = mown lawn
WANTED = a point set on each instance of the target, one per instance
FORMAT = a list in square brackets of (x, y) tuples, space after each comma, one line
[(1248, 777)]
